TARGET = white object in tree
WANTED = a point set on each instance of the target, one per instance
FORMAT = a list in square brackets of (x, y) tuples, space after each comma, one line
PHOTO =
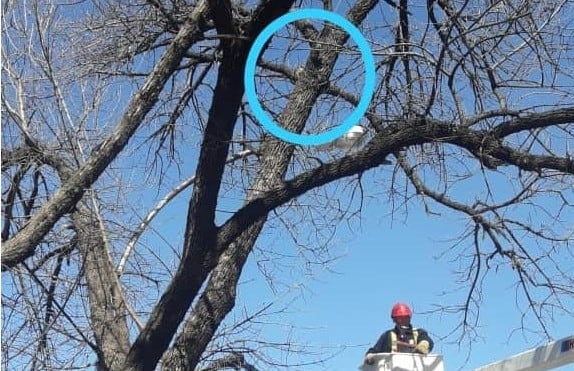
[(546, 357), (351, 139)]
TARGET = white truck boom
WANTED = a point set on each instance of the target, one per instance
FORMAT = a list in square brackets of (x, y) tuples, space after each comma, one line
[(555, 354)]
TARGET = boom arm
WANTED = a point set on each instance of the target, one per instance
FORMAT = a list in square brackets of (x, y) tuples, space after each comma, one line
[(545, 357)]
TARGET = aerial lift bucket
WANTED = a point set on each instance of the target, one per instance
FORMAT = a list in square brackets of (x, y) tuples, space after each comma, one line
[(404, 362)]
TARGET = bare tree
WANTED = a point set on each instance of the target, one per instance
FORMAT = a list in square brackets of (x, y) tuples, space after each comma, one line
[(105, 104)]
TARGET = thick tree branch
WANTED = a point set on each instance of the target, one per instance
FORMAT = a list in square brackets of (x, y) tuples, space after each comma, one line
[(389, 140), (534, 121), (217, 300), (386, 142), (219, 296), (107, 303), (222, 17), (493, 153), (23, 244), (168, 313), (198, 258)]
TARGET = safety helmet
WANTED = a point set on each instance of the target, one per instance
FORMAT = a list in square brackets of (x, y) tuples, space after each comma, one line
[(401, 310)]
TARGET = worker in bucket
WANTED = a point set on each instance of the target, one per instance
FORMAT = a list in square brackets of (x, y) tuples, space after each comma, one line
[(403, 338)]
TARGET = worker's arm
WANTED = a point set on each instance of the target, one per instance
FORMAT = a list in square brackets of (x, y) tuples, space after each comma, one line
[(424, 342), (381, 346)]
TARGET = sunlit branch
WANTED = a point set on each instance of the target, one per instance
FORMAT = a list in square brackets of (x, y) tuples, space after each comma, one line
[(160, 205)]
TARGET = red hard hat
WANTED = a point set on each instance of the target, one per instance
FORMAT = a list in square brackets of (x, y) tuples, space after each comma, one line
[(401, 310)]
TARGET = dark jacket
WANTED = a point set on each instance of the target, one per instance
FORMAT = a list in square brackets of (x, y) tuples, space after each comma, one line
[(384, 345)]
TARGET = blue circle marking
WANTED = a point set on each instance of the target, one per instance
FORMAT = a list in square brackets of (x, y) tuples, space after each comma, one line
[(366, 95)]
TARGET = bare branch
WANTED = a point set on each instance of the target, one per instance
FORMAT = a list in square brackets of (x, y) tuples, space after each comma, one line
[(23, 244), (161, 204)]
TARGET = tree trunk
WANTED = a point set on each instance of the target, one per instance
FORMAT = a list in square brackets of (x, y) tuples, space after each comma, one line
[(107, 310), (218, 299)]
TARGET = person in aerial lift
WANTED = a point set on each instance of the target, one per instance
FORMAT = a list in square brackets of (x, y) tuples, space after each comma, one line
[(403, 338)]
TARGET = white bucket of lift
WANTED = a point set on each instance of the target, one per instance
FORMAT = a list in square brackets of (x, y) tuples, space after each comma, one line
[(405, 362)]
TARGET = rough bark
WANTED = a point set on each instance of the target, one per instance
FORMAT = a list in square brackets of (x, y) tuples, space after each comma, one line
[(107, 310), (217, 300)]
